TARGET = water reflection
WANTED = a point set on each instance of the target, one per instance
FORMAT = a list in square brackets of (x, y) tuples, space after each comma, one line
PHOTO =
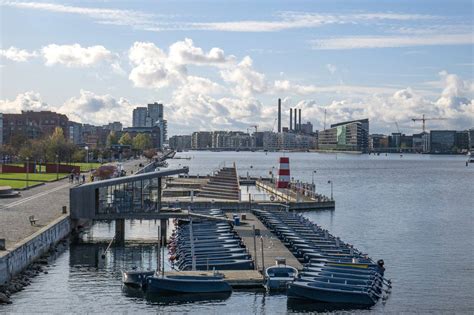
[(303, 306)]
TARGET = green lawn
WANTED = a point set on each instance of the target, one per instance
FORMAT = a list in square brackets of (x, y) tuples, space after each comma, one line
[(16, 184), (22, 176)]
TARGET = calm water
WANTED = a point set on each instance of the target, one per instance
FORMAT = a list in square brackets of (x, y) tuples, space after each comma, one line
[(415, 212)]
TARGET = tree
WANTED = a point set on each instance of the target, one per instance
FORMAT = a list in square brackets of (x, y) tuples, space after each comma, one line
[(149, 154), (111, 139), (125, 139), (79, 155), (56, 145), (142, 142)]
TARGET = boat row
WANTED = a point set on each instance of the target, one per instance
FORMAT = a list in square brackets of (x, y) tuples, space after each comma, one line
[(334, 271), (208, 245)]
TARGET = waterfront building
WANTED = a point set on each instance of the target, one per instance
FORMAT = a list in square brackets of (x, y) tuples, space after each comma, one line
[(461, 141), (421, 142), (151, 116), (442, 141), (201, 140), (32, 125), (378, 142), (270, 141), (180, 143), (348, 136)]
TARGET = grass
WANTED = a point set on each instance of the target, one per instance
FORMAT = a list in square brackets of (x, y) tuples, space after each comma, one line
[(22, 176), (16, 184)]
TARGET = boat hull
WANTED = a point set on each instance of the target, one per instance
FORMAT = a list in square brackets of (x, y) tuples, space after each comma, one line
[(186, 285)]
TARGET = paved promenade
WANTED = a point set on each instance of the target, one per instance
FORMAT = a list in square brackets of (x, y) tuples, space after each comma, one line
[(45, 202)]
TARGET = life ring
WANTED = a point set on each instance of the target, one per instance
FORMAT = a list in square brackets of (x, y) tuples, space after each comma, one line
[(272, 198)]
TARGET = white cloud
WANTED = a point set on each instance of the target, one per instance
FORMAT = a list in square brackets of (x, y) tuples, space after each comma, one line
[(247, 81), (101, 15), (95, 109), (358, 42), (151, 67), (16, 54), (24, 101), (285, 86), (76, 55), (184, 52)]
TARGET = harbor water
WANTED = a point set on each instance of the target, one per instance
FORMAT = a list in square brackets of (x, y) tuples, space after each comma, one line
[(414, 211)]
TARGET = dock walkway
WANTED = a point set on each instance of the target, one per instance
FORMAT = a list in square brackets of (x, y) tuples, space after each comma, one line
[(272, 246), (236, 278)]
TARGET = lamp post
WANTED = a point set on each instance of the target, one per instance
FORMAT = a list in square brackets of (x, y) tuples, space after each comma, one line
[(330, 182), (312, 181), (57, 166), (27, 171), (87, 155)]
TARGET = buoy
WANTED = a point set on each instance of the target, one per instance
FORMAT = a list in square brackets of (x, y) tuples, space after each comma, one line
[(284, 173)]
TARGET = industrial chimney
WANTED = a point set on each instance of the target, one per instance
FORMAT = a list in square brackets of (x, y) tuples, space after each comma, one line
[(279, 115), (295, 127), (299, 120), (291, 119)]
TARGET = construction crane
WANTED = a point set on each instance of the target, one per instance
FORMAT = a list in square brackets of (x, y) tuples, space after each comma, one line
[(423, 119), (254, 126), (396, 124), (274, 122)]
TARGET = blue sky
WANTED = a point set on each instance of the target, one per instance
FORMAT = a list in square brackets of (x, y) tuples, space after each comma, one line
[(223, 64)]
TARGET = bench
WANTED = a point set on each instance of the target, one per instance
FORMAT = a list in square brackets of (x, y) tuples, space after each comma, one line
[(32, 220)]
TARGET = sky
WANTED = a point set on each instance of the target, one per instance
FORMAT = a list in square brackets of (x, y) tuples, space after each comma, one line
[(222, 65)]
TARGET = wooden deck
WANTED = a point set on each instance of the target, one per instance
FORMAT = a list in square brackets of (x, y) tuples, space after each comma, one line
[(236, 278), (272, 246)]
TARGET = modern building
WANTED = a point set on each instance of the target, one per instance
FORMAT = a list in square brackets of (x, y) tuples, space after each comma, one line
[(154, 132), (180, 143), (114, 126), (151, 116), (471, 140), (347, 136), (378, 142), (421, 142), (75, 132), (461, 141), (32, 125), (442, 141), (201, 140), (139, 117)]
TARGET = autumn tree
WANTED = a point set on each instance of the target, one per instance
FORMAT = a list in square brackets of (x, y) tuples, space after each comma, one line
[(142, 142), (125, 139), (111, 139)]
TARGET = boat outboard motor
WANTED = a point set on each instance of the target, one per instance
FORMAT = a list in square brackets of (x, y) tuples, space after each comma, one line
[(380, 266)]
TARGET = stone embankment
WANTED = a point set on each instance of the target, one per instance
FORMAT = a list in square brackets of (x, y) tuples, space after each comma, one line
[(24, 278)]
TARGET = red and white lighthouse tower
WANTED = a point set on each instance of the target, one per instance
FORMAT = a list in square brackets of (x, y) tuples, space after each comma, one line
[(284, 173)]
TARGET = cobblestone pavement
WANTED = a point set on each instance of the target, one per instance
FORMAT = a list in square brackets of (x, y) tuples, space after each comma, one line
[(45, 202)]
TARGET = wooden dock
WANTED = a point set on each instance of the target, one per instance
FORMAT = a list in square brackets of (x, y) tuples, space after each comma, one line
[(236, 278), (272, 246)]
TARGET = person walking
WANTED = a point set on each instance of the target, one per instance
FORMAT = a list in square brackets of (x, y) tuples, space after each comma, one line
[(83, 178)]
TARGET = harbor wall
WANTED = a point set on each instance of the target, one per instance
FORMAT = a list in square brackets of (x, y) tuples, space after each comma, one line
[(28, 250)]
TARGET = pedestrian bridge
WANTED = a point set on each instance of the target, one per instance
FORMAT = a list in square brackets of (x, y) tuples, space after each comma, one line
[(130, 197)]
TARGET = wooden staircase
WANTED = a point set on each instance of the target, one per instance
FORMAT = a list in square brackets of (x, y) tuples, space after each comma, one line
[(223, 185)]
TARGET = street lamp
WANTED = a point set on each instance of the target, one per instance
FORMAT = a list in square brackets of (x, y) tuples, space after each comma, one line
[(27, 171), (57, 167), (312, 181), (330, 182), (87, 155)]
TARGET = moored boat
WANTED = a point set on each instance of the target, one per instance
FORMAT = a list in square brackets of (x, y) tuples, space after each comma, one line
[(277, 277), (136, 278), (185, 284)]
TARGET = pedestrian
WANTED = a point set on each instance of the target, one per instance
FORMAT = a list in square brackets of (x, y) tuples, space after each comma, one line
[(92, 178), (83, 178), (71, 177), (77, 178)]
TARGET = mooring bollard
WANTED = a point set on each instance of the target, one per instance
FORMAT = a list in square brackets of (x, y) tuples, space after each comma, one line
[(64, 209), (2, 244)]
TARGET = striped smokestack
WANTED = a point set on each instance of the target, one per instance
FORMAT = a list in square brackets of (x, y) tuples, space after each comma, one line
[(291, 119), (279, 115)]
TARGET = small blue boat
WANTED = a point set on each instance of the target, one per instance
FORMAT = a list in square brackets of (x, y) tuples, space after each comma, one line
[(331, 293), (182, 284), (277, 277), (136, 278)]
